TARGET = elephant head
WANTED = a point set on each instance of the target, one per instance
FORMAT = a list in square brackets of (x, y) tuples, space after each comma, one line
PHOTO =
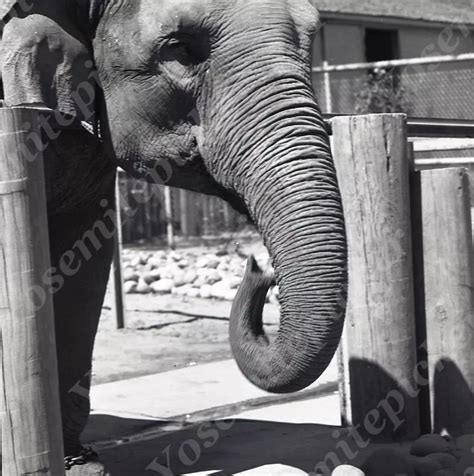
[(214, 96)]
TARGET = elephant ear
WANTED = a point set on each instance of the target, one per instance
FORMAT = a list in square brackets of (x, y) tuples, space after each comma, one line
[(5, 7), (46, 61)]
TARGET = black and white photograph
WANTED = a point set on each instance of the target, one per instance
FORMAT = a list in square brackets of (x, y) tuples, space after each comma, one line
[(236, 237)]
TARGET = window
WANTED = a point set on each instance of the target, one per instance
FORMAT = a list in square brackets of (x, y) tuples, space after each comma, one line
[(381, 45)]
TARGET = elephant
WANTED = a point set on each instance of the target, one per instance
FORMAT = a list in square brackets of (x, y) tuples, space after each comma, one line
[(213, 96)]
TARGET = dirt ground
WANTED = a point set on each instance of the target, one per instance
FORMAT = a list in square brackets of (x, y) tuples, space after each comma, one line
[(166, 332)]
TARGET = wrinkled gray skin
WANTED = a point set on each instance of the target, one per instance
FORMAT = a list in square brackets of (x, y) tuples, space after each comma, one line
[(207, 95)]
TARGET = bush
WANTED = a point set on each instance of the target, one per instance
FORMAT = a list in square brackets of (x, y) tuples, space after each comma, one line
[(383, 92)]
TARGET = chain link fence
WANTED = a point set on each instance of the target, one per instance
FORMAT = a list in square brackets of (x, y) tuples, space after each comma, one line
[(437, 87)]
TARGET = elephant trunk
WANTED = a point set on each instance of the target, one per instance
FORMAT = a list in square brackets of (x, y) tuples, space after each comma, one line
[(291, 190)]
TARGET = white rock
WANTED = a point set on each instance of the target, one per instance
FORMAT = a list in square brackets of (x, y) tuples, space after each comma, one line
[(237, 271), (142, 287), (205, 291), (274, 299), (159, 255), (201, 262), (219, 290), (223, 267), (201, 271), (135, 261), (234, 282), (143, 257), (179, 279), (169, 272), (129, 287), (274, 470), (151, 276), (163, 286), (193, 293), (146, 267), (190, 276), (347, 470), (230, 294), (173, 255), (213, 263), (200, 282), (154, 262), (263, 260), (129, 274), (212, 277), (182, 290)]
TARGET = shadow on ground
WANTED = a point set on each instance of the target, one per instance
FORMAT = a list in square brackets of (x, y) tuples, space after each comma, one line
[(225, 447), (220, 448)]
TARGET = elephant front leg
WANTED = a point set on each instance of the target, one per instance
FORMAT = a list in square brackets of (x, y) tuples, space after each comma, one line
[(81, 254)]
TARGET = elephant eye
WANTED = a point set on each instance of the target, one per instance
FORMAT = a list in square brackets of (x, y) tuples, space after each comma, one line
[(187, 50)]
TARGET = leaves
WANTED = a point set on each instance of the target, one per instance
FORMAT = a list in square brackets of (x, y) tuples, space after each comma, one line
[(383, 92)]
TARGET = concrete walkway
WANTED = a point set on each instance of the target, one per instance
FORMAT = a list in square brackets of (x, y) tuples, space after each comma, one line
[(208, 419), (186, 391)]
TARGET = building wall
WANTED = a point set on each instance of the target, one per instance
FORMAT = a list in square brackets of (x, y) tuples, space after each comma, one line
[(345, 42), (437, 90), (452, 40)]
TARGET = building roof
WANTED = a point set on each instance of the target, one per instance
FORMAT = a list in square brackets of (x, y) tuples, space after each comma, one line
[(442, 11)]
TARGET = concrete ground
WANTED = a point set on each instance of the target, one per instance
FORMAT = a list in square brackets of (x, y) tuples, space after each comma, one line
[(209, 420)]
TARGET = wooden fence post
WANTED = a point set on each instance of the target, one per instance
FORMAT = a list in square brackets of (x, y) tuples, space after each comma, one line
[(205, 215), (449, 299), (184, 209), (31, 420), (169, 218), (194, 213), (380, 348)]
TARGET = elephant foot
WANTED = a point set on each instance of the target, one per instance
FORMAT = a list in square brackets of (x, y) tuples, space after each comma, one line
[(86, 463)]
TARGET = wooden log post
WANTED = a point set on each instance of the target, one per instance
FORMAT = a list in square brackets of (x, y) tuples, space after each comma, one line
[(379, 348), (184, 213), (169, 218), (226, 210), (31, 422), (194, 214), (206, 221), (449, 299), (146, 204)]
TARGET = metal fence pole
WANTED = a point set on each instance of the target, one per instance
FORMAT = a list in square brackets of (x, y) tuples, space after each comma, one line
[(119, 308)]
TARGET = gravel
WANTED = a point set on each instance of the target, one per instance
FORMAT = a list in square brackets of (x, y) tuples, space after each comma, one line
[(191, 274)]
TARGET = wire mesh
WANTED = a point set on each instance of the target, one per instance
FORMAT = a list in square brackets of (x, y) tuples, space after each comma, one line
[(438, 90)]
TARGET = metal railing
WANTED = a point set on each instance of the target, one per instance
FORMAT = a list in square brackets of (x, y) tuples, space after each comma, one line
[(427, 127)]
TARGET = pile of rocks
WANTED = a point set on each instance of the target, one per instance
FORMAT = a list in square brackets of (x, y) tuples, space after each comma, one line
[(430, 455), (210, 276)]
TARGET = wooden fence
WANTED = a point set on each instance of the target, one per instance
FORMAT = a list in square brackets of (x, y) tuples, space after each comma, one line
[(145, 216), (408, 339)]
